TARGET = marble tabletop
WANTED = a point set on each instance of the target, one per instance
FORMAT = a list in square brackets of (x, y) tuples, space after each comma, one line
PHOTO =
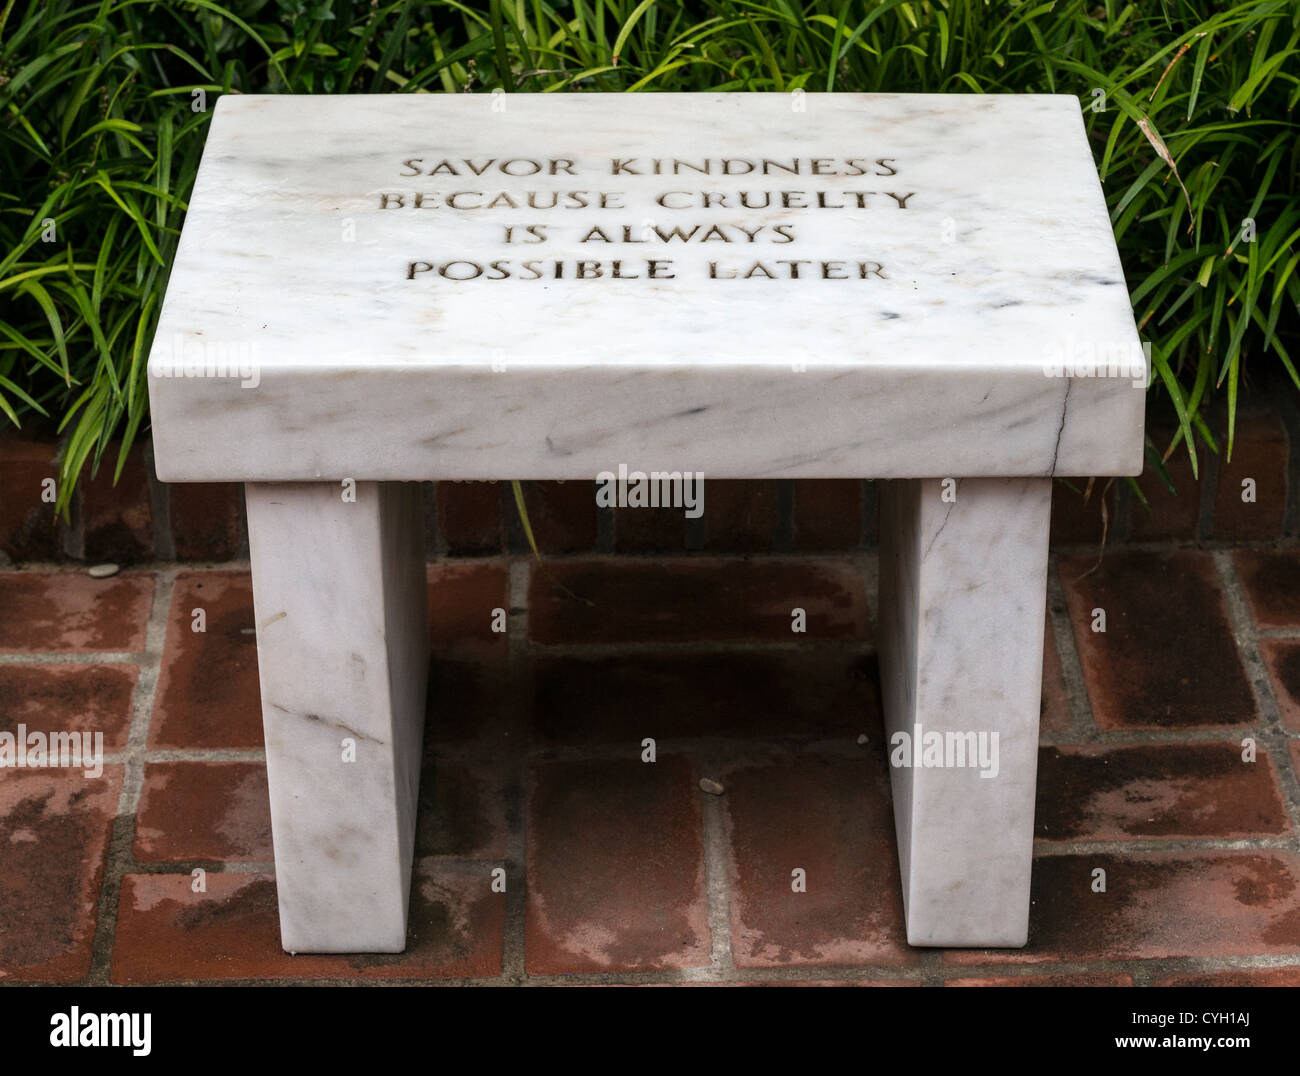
[(543, 286)]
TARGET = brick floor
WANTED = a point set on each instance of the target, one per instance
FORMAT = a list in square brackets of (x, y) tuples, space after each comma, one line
[(207, 520), (203, 811), (469, 694), (118, 515), (28, 527), (1285, 976), (1166, 657), (71, 613), (829, 818), (1282, 659), (1259, 457), (208, 693), (704, 693), (166, 932), (1109, 792), (462, 810), (1157, 905), (1084, 979), (827, 514), (615, 867), (659, 601), (1055, 716), (468, 702), (69, 698), (54, 829), (1271, 581), (463, 600), (649, 530), (1078, 520), (742, 516), (620, 870), (1167, 515), (562, 515), (469, 515)]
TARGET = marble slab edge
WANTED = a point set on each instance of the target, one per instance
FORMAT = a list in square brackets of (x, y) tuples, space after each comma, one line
[(727, 421)]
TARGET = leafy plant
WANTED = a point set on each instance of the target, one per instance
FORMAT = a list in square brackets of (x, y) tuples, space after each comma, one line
[(103, 116)]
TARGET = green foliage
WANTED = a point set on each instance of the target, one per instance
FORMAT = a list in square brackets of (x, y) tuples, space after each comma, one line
[(100, 140)]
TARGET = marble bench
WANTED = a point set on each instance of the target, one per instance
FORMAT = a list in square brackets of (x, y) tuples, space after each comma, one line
[(372, 291)]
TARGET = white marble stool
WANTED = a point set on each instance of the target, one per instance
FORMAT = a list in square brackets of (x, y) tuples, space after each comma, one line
[(375, 290)]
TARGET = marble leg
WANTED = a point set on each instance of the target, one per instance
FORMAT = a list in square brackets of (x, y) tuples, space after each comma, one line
[(339, 595), (962, 598)]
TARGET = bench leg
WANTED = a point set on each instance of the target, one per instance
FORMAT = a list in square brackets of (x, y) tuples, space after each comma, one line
[(963, 579), (339, 595)]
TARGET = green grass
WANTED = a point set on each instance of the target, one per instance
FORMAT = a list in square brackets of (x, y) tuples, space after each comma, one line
[(100, 139)]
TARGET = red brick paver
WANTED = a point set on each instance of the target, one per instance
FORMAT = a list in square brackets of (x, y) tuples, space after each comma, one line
[(69, 612), (469, 703), (740, 516), (1157, 905), (1168, 515), (1250, 501), (650, 530), (1271, 580), (689, 601), (562, 515), (28, 528), (626, 871), (118, 515), (615, 868), (166, 932), (462, 810), (1095, 978), (1054, 717), (207, 520), (1076, 519), (624, 698), (1107, 793), (469, 516), (1168, 658), (203, 811), (69, 698), (830, 819), (1282, 658), (208, 693), (463, 602), (827, 514), (1285, 976), (54, 832)]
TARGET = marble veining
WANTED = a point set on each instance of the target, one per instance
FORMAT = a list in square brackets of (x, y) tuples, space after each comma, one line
[(342, 654), (983, 214), (963, 575)]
